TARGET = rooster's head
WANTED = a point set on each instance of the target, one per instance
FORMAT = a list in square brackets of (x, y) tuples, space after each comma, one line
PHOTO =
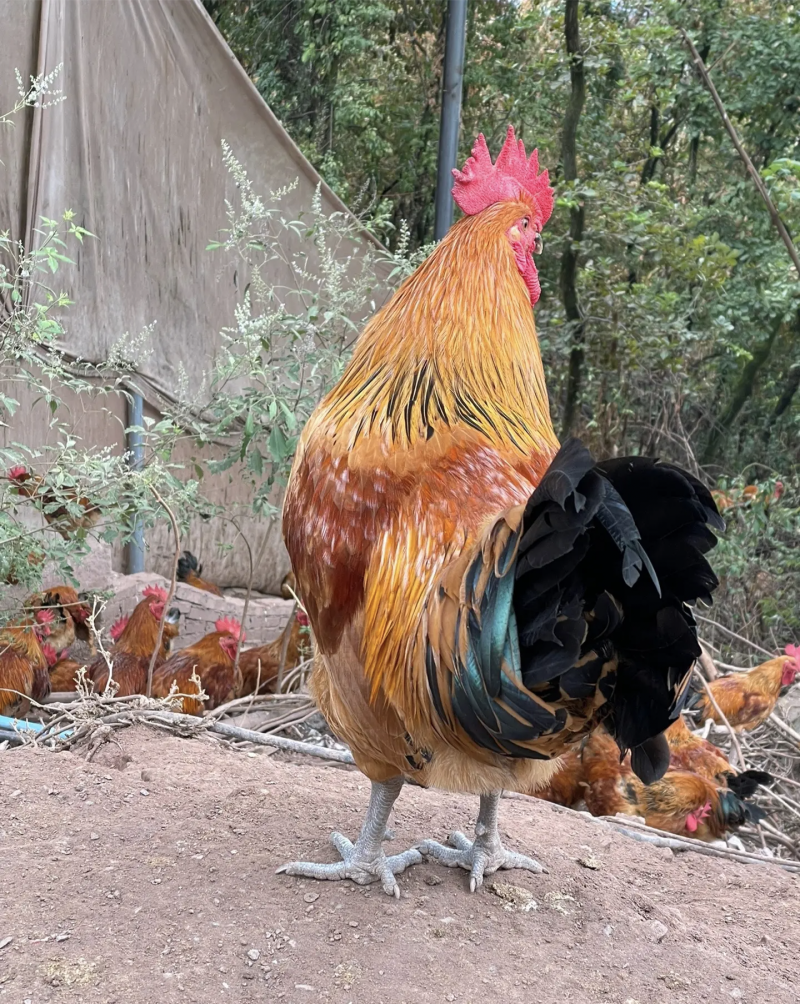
[(791, 668), (513, 178)]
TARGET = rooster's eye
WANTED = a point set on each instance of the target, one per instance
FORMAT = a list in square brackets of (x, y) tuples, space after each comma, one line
[(525, 222)]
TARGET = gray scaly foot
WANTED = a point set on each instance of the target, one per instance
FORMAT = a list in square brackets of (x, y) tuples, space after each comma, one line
[(364, 862), (485, 854)]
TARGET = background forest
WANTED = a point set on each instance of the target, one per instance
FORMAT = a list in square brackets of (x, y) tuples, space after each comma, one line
[(678, 331)]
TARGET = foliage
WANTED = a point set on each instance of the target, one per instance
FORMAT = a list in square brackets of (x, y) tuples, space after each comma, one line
[(690, 305), (289, 343), (72, 475)]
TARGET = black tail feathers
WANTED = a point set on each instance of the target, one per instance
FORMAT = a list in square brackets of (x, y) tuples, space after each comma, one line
[(187, 564), (619, 544), (746, 784)]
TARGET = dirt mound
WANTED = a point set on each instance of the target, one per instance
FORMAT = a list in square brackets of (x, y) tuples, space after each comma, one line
[(148, 875)]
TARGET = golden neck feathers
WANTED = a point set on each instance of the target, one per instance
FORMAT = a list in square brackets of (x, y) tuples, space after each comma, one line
[(456, 346)]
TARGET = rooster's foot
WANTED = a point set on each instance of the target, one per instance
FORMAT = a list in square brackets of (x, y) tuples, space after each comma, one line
[(365, 862), (485, 854), (358, 866)]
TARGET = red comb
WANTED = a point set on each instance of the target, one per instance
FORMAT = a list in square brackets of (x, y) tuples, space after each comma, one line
[(118, 627), (44, 616), (17, 472), (302, 618), (229, 625), (156, 592), (793, 651), (513, 176)]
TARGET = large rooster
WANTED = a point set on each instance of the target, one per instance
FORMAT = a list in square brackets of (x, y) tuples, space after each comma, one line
[(481, 599)]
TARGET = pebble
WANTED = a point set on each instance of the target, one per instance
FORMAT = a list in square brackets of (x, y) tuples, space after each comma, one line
[(658, 930), (254, 954), (311, 897)]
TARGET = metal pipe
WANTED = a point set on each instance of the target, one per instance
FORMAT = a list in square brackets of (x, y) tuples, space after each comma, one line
[(453, 75), (136, 462)]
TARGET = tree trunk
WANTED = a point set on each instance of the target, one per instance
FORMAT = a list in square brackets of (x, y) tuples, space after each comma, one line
[(569, 260), (784, 401), (742, 392)]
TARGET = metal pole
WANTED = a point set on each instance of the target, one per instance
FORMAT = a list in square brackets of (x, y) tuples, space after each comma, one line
[(455, 43), (136, 462)]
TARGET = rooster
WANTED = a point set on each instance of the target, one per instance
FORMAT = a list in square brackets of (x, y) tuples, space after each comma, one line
[(693, 753), (260, 666), (119, 625), (189, 572), (212, 660), (23, 668), (132, 652), (66, 511), (481, 599), (680, 802), (748, 699)]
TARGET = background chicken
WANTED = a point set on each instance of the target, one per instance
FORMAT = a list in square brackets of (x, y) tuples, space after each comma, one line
[(680, 802), (212, 660), (62, 670), (480, 599), (748, 699), (566, 786), (693, 753), (68, 610), (260, 666), (67, 512), (23, 669), (131, 654), (190, 572)]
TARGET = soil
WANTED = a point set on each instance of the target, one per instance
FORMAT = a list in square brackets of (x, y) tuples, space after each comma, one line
[(148, 875)]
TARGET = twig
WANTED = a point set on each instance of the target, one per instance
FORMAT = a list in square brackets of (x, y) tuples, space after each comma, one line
[(752, 644), (170, 593), (762, 189), (787, 730), (705, 660), (724, 720)]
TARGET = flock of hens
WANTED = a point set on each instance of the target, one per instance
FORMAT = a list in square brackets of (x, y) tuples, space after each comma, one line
[(35, 658), (490, 609)]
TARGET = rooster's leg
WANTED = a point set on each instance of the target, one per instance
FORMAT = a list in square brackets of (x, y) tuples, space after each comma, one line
[(483, 855), (365, 861)]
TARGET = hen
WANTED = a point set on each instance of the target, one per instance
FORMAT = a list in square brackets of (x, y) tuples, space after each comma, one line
[(566, 786), (212, 660), (69, 611), (63, 671), (693, 753), (23, 668), (748, 699), (65, 510), (260, 666), (480, 599), (131, 654), (680, 802), (189, 572)]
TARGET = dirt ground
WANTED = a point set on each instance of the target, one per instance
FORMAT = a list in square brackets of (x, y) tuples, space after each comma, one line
[(148, 875)]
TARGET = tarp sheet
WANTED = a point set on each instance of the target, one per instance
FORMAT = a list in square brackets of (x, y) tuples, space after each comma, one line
[(151, 90)]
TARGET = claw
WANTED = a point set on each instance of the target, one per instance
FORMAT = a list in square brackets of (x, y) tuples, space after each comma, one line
[(358, 869), (364, 862), (482, 856)]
